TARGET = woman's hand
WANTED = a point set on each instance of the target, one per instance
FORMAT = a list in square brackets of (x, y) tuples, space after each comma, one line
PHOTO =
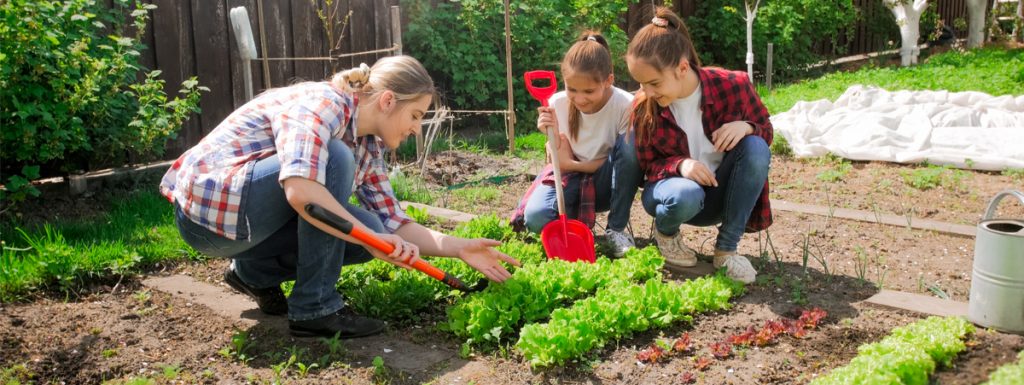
[(481, 255), (546, 118), (696, 171), (730, 134), (404, 255)]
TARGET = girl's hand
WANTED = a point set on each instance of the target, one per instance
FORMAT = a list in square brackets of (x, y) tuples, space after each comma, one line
[(481, 255), (404, 255), (730, 134), (565, 156), (696, 171), (546, 118)]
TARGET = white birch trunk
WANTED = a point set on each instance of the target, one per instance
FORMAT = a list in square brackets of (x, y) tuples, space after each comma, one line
[(976, 23), (908, 17), (751, 14)]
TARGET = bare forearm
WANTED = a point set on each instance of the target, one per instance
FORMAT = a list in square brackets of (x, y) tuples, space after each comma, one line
[(588, 167), (429, 241)]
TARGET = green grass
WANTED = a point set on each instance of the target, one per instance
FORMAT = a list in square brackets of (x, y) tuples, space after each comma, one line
[(991, 70), (410, 188), (137, 231), (528, 146)]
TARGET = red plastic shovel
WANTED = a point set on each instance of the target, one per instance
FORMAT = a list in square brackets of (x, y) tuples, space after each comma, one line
[(338, 223), (565, 239)]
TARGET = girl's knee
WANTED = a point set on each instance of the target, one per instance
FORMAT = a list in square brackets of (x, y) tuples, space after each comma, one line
[(755, 148), (537, 217)]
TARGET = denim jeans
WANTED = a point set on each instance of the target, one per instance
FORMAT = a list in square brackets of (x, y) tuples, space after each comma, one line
[(275, 245), (615, 182), (741, 176)]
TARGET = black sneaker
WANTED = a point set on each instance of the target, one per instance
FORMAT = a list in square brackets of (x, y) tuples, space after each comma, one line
[(343, 323), (270, 300)]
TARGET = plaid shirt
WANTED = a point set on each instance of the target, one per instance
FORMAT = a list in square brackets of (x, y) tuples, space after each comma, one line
[(588, 195), (727, 96), (295, 123)]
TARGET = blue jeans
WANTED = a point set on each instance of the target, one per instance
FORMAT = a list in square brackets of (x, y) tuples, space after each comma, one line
[(275, 245), (615, 182), (741, 176)]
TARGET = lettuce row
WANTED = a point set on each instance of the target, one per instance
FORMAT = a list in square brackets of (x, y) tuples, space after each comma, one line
[(1009, 374), (618, 311), (534, 291), (908, 355)]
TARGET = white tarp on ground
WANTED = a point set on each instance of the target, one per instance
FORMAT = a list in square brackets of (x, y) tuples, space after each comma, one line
[(869, 123)]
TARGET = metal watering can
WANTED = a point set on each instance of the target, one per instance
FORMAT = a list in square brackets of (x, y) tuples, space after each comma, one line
[(997, 281)]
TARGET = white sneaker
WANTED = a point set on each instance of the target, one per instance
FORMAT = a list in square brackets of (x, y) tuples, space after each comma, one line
[(737, 267), (675, 252), (620, 242)]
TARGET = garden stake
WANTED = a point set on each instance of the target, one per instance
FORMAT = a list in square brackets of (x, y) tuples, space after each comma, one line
[(577, 242), (341, 224)]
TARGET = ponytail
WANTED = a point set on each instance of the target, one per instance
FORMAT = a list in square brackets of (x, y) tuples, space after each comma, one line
[(402, 75), (589, 56), (662, 44)]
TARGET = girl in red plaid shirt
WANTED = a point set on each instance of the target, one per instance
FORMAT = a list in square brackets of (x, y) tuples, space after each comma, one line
[(702, 137)]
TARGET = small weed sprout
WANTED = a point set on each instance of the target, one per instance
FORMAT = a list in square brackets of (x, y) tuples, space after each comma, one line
[(380, 372), (171, 371), (239, 347)]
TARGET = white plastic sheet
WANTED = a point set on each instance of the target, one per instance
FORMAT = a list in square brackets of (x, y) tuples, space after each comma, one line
[(960, 129)]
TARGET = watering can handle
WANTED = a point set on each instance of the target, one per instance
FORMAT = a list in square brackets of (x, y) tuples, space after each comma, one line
[(992, 206)]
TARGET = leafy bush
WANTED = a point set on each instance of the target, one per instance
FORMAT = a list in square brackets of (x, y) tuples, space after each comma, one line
[(1009, 374), (908, 355), (793, 26), (619, 311), (70, 97), (471, 68)]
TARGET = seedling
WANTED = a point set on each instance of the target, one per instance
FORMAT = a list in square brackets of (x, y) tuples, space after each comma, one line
[(171, 371), (108, 353), (239, 347), (380, 372)]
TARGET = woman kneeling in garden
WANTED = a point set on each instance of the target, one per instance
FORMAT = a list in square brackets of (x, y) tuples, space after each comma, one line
[(702, 137), (591, 116), (240, 193)]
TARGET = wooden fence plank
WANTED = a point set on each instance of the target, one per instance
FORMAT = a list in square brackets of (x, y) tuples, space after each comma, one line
[(362, 37), (308, 40), (172, 31), (211, 35), (277, 22), (382, 28)]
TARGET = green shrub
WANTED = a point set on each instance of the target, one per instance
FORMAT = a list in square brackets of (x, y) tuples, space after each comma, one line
[(471, 67), (795, 27), (70, 94)]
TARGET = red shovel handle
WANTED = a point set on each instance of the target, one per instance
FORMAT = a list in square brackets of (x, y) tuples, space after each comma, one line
[(346, 227), (542, 93)]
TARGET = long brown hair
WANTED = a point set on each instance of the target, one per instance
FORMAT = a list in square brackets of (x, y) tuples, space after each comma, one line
[(589, 56), (660, 46)]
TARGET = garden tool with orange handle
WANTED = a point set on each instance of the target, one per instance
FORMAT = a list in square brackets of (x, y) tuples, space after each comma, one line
[(341, 224), (565, 239)]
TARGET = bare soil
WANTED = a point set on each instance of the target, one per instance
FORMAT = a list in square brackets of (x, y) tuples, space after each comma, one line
[(117, 332)]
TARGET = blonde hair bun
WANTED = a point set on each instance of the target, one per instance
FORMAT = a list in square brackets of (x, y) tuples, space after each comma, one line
[(353, 80)]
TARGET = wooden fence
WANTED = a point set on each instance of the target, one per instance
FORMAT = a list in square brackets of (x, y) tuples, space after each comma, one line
[(194, 38)]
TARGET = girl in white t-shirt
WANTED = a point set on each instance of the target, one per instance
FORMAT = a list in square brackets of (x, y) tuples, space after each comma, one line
[(596, 154)]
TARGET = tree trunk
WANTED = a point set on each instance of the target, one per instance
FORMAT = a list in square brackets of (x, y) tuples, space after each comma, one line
[(908, 17), (751, 14), (976, 23)]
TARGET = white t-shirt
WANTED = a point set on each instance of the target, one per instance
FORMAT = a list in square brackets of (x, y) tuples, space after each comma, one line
[(687, 113), (598, 130)]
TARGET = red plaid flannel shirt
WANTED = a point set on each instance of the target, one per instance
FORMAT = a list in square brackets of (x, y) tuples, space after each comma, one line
[(727, 96)]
